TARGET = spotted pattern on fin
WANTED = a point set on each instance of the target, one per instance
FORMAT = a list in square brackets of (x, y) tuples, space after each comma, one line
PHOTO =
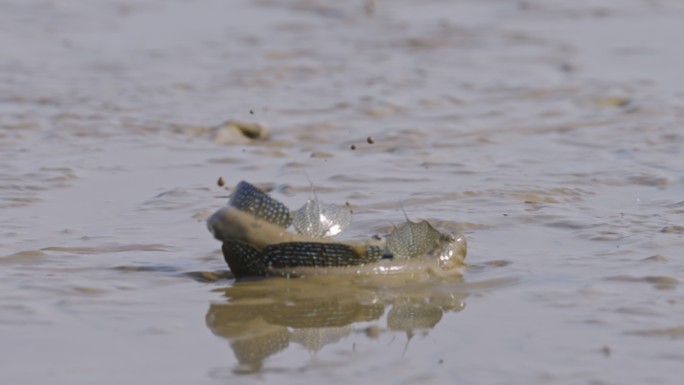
[(318, 219), (412, 239)]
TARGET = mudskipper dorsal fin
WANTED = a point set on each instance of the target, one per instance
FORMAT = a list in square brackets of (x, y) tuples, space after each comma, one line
[(319, 219), (412, 239)]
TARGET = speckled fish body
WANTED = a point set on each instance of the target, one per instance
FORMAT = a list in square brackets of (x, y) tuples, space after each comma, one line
[(314, 254), (253, 229), (250, 199), (279, 259), (243, 259)]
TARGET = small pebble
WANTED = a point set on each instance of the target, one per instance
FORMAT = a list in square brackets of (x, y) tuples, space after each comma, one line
[(373, 331), (221, 182), (369, 7), (612, 102), (656, 258), (370, 140), (672, 229), (321, 154), (606, 350), (353, 147), (207, 276)]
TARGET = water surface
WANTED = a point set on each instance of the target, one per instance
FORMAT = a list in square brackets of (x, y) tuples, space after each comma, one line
[(550, 133)]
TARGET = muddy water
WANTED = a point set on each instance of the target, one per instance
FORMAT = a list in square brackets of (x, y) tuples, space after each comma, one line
[(549, 132)]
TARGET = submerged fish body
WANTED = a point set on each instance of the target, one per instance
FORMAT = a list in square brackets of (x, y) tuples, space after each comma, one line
[(243, 259), (253, 229), (281, 258)]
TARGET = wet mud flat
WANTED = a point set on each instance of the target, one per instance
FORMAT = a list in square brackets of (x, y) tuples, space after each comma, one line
[(549, 133)]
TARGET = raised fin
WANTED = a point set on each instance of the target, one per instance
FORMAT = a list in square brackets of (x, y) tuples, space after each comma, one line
[(401, 205), (317, 219), (413, 239), (311, 186)]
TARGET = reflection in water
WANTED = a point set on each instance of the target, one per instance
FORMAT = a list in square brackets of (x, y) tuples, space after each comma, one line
[(261, 318)]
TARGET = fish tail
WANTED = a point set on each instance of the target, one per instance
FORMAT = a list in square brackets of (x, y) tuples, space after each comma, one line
[(250, 199)]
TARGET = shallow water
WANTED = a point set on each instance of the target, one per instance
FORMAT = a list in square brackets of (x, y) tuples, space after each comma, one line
[(549, 132)]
